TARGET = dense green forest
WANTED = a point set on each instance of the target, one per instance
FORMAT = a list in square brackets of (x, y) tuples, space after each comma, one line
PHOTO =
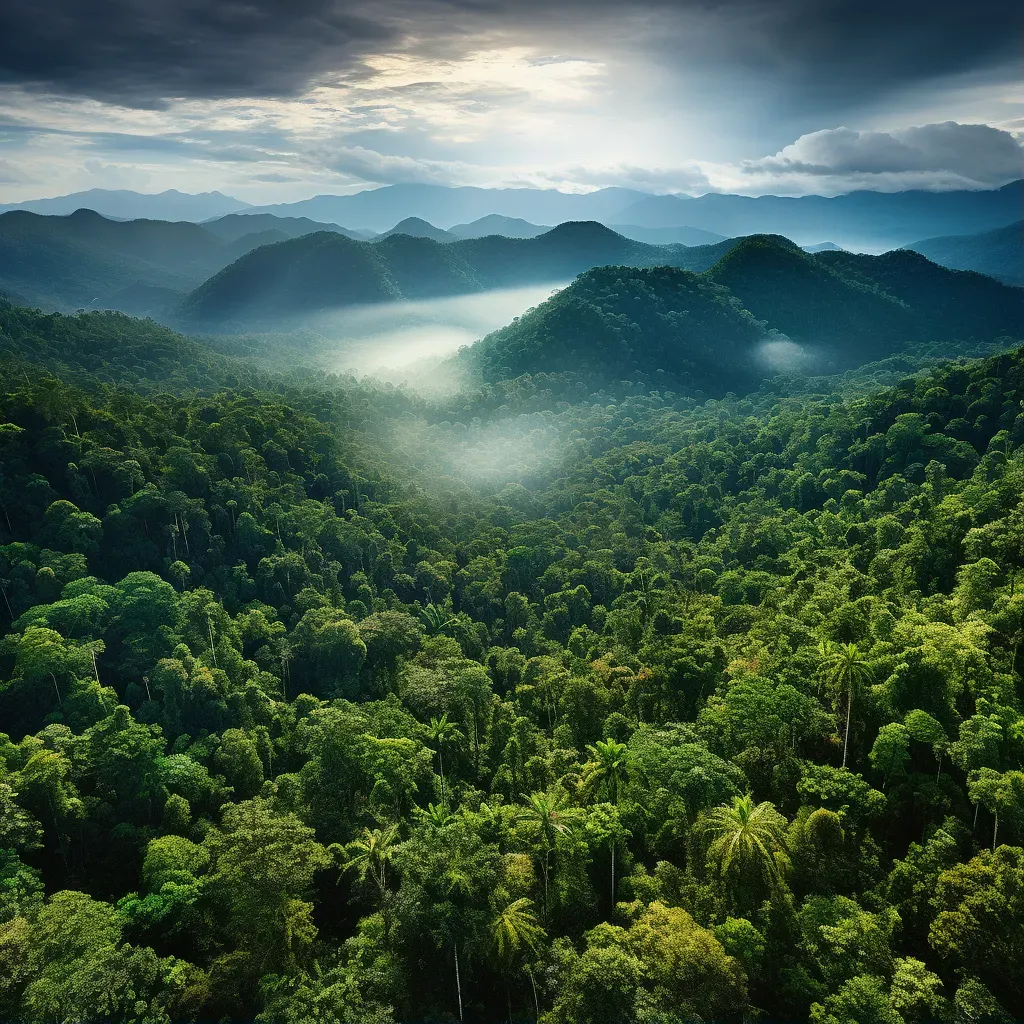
[(567, 697)]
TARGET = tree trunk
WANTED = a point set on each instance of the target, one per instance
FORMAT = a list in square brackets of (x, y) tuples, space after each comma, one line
[(458, 980), (613, 877), (536, 1004), (440, 761), (995, 829), (56, 689), (849, 711)]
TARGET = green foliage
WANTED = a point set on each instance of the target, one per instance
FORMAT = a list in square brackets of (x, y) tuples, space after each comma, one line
[(670, 710)]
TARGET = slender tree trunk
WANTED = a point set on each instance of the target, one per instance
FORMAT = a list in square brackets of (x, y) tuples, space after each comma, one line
[(56, 689), (995, 829), (613, 876), (846, 736), (440, 760), (536, 1004), (938, 773), (976, 809), (458, 980)]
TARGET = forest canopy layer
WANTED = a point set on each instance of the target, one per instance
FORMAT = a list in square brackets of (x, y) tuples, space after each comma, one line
[(569, 697)]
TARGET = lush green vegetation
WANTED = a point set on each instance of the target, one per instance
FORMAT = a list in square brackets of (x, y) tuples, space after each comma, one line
[(323, 271), (560, 698), (713, 333)]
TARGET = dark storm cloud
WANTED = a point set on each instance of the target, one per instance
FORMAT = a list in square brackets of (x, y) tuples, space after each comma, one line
[(140, 52)]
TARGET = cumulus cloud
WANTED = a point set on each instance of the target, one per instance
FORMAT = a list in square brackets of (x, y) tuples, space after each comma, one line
[(381, 168), (946, 155)]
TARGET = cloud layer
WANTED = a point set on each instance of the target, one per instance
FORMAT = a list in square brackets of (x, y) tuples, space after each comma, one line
[(275, 101)]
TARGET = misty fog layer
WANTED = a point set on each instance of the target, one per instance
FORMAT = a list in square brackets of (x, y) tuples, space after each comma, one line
[(386, 340)]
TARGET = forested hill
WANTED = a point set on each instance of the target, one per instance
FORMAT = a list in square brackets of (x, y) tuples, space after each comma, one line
[(616, 322), (727, 329), (321, 271), (717, 714)]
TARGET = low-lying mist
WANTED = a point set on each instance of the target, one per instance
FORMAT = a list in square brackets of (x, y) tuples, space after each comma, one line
[(389, 340)]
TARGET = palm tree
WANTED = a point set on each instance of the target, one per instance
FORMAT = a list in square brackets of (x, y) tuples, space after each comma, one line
[(515, 929), (606, 772), (847, 671), (441, 731), (435, 619), (548, 811), (747, 835), (370, 855)]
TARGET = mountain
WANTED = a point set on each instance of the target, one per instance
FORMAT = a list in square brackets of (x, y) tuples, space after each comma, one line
[(951, 303), (416, 227), (859, 306), (58, 263), (681, 235), (861, 220), (84, 259), (495, 224), (765, 306), (324, 271), (619, 322), (235, 225), (998, 253), (821, 247), (378, 209), (121, 204)]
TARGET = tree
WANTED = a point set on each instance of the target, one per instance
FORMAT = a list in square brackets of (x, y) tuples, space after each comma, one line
[(606, 771), (370, 855), (441, 732), (549, 813), (747, 837), (264, 863), (515, 931), (848, 672), (996, 790)]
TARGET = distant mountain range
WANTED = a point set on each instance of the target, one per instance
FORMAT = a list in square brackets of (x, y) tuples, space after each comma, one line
[(727, 328), (998, 253), (139, 266), (858, 220), (122, 204), (323, 271)]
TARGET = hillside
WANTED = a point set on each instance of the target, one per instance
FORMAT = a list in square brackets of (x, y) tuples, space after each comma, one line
[(799, 294), (765, 306), (618, 321), (234, 226), (416, 227), (299, 275), (495, 224), (680, 235), (310, 274), (950, 303), (998, 253), (84, 259)]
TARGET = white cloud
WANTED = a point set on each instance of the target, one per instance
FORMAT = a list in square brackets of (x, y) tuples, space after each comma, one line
[(941, 156)]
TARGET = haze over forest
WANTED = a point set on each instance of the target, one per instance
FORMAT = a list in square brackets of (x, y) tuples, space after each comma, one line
[(511, 513)]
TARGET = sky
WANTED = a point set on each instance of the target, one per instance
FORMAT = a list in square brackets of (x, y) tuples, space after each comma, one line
[(278, 100)]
